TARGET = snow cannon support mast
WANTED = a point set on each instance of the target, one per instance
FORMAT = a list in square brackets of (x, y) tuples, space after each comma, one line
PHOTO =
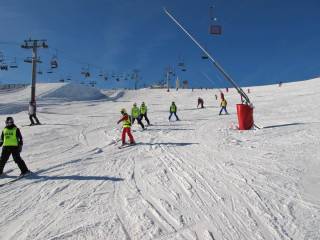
[(215, 63)]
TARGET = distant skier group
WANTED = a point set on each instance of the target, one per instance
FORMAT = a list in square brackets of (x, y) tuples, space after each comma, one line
[(12, 141)]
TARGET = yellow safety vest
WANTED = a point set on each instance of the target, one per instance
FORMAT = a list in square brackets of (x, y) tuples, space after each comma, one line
[(135, 112), (173, 108), (10, 137), (127, 123), (143, 109)]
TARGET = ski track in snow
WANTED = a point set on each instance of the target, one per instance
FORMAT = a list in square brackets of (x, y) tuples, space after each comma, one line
[(198, 178)]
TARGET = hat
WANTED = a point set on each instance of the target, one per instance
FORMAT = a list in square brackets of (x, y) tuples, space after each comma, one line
[(123, 110), (9, 120)]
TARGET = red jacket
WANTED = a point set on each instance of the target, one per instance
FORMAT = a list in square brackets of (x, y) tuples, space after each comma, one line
[(125, 117)]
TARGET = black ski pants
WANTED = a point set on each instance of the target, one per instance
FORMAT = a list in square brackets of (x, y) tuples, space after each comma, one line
[(145, 117), (15, 151), (139, 121), (171, 113)]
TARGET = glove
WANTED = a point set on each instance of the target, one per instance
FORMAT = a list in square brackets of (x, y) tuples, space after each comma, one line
[(20, 148)]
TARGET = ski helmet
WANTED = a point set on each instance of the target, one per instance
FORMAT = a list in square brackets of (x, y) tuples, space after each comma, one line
[(9, 121)]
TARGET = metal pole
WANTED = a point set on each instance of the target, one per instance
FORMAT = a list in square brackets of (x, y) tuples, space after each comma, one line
[(216, 64), (34, 71)]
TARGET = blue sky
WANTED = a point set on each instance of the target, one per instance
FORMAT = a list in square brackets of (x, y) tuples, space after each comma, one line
[(263, 41)]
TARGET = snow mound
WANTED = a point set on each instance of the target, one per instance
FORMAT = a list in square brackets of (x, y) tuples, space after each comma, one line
[(75, 92)]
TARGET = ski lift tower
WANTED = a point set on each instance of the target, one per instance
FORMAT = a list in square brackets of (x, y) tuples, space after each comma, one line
[(136, 78), (34, 45), (169, 72)]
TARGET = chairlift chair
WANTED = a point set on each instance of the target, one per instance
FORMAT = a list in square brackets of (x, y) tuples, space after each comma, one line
[(14, 64), (4, 67), (215, 29), (28, 60), (204, 56), (54, 63), (39, 71)]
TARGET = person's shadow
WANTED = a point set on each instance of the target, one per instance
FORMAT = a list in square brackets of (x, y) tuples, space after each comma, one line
[(35, 176)]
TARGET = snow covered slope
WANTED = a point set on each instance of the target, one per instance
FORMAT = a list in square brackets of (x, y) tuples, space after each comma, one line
[(197, 178)]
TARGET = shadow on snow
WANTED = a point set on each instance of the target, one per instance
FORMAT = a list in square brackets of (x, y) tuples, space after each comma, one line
[(35, 176)]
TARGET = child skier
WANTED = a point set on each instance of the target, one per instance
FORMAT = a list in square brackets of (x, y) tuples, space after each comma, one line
[(200, 102), (135, 114), (12, 142), (126, 127), (33, 113), (223, 106), (173, 110), (143, 112)]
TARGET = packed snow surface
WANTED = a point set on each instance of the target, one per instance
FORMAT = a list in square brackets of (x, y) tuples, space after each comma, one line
[(198, 178)]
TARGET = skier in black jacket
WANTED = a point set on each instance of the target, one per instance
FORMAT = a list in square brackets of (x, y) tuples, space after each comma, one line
[(12, 142)]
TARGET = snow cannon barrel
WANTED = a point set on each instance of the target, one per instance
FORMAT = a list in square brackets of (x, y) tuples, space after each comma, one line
[(245, 116)]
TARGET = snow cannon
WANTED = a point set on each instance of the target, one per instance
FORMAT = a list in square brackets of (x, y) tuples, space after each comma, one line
[(245, 116)]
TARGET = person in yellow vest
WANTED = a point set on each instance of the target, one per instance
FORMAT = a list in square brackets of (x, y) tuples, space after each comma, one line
[(126, 127), (173, 110), (143, 112), (223, 106), (135, 114), (12, 142)]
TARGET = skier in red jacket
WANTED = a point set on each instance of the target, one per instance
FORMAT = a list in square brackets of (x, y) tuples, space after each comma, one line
[(126, 127)]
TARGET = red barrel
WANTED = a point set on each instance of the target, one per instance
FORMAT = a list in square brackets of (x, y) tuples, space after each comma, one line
[(245, 116)]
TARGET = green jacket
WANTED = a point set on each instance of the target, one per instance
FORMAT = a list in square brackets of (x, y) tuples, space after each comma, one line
[(143, 109), (135, 112), (173, 108)]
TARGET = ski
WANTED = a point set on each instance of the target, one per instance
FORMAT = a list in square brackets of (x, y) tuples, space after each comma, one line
[(126, 145)]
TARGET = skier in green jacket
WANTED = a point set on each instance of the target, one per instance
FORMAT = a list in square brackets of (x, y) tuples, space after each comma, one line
[(135, 114), (143, 112), (12, 142), (173, 110)]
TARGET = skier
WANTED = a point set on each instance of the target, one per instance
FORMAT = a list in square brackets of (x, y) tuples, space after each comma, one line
[(173, 110), (143, 112), (12, 142), (32, 113), (221, 95), (126, 127), (135, 114), (223, 106), (200, 102)]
